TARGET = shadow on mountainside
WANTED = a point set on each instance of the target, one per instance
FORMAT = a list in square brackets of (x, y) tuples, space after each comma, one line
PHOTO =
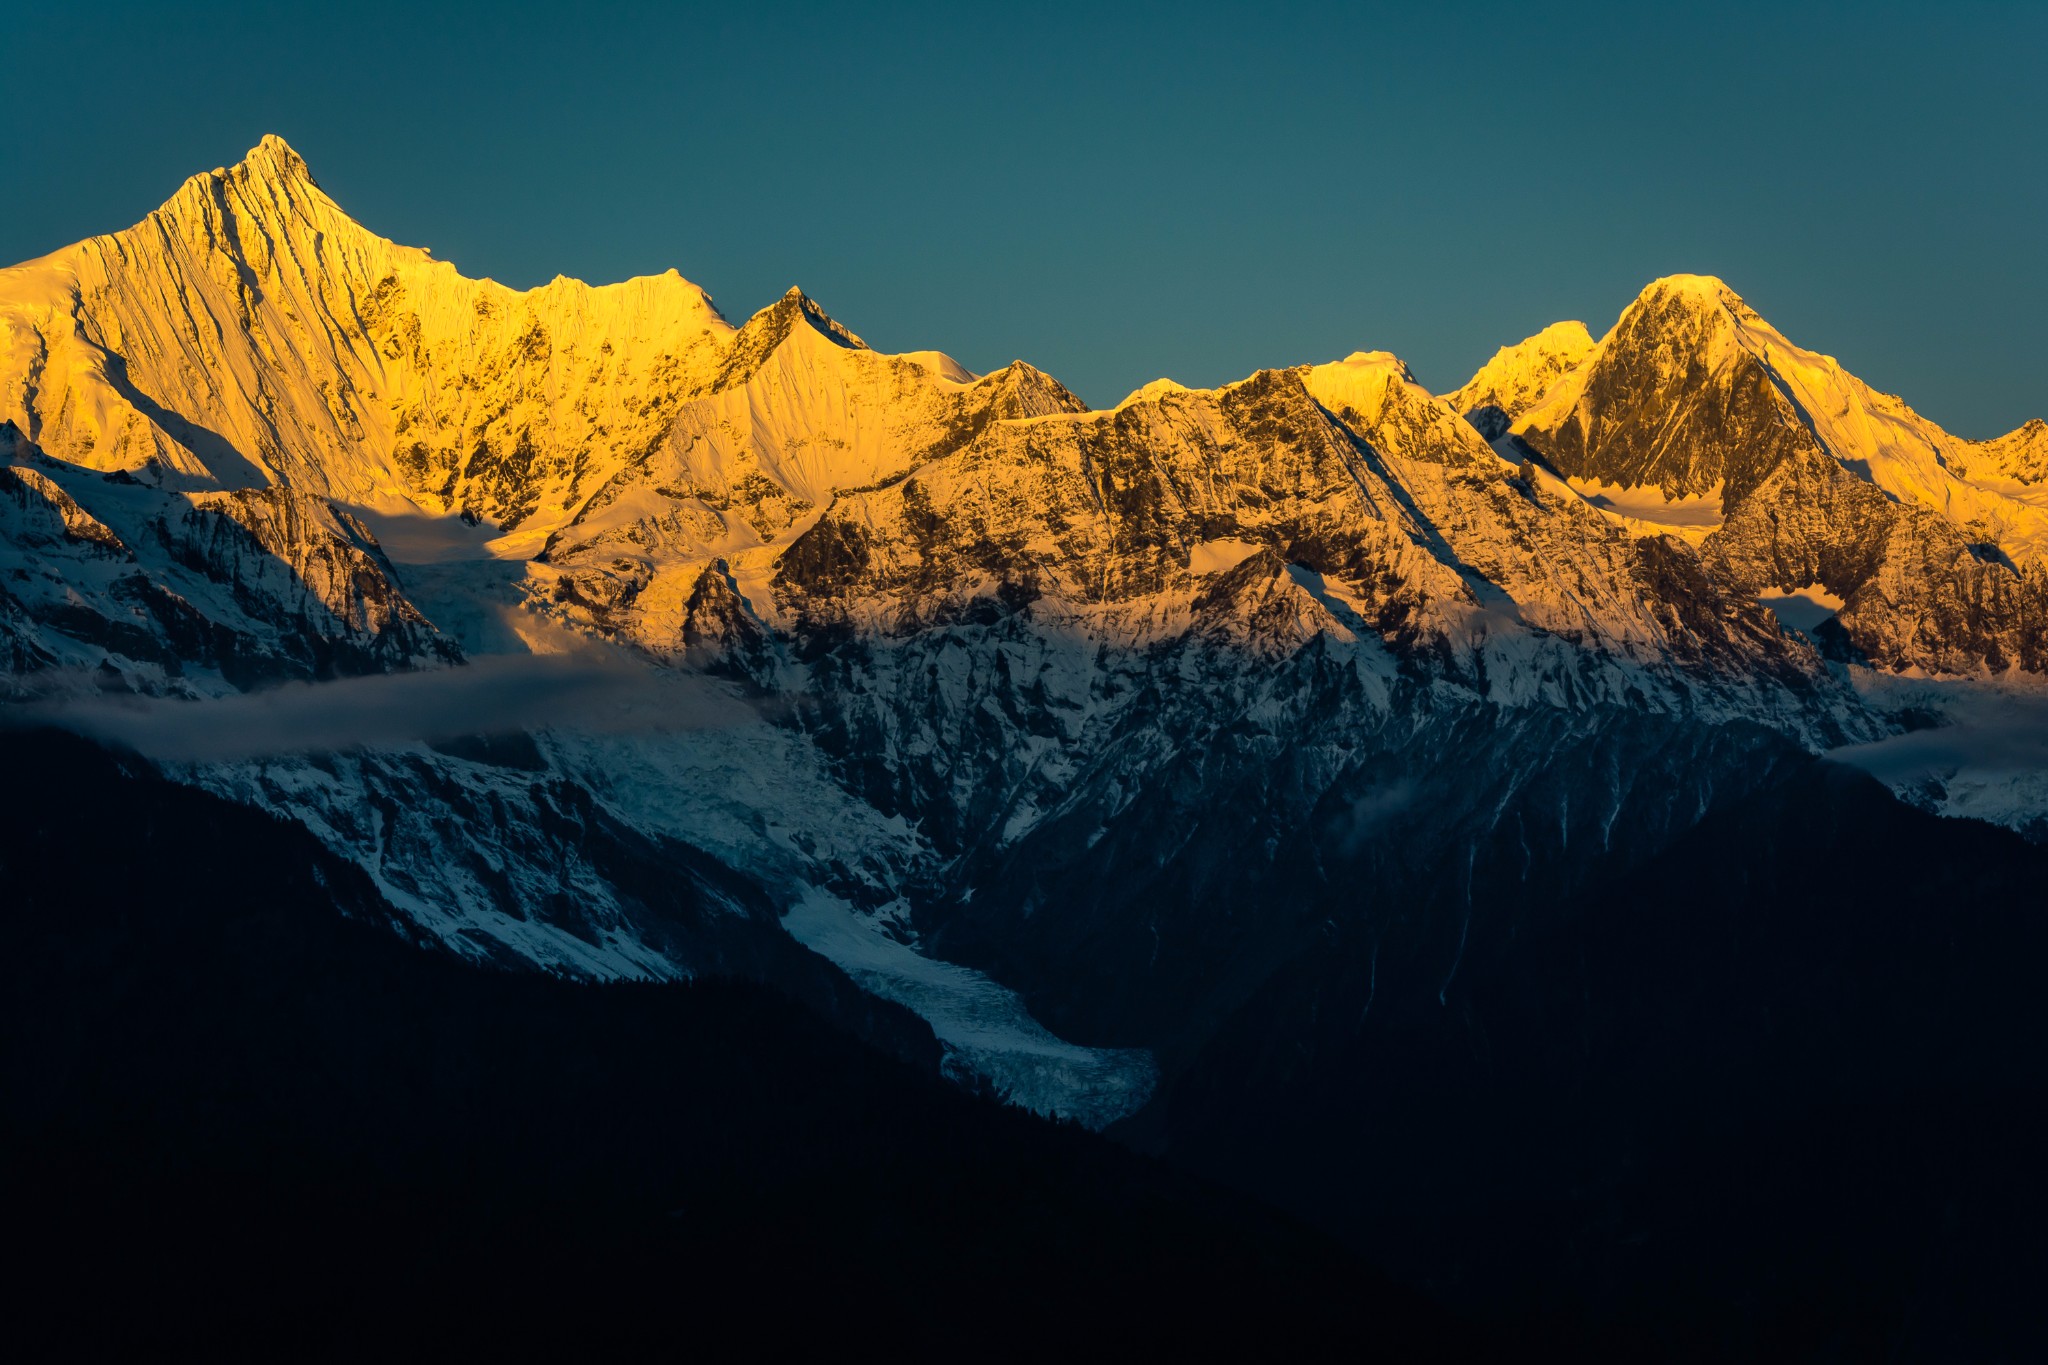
[(229, 1114), (259, 583), (229, 467)]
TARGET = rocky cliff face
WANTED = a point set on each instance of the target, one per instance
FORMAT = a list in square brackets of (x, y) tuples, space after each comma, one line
[(1821, 481), (1672, 399), (161, 591)]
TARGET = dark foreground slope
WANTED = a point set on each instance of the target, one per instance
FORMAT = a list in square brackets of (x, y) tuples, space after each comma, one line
[(1777, 1090), (229, 1114)]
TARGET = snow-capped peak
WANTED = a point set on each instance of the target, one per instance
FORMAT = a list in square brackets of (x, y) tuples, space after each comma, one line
[(795, 303), (272, 179), (1158, 388), (309, 350), (274, 159), (1693, 391), (1519, 375), (1676, 304), (1704, 290), (1359, 381)]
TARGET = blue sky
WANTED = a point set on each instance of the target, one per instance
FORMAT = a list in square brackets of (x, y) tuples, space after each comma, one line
[(1186, 190)]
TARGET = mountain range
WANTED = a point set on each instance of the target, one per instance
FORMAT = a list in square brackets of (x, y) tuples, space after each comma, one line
[(1190, 769)]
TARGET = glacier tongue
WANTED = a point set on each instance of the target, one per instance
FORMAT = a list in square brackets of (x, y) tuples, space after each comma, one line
[(987, 1032)]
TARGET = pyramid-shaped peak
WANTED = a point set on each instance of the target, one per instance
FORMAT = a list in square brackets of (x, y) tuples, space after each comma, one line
[(1024, 390), (796, 303), (1686, 310), (271, 163), (760, 336)]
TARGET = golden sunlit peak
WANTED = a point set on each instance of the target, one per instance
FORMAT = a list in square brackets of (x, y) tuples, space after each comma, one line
[(1705, 290), (274, 159), (271, 162), (1376, 359), (1145, 393), (1685, 282), (1377, 367)]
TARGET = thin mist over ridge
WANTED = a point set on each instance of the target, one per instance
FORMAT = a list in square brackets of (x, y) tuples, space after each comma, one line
[(494, 696)]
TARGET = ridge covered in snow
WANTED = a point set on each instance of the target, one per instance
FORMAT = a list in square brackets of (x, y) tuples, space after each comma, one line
[(249, 332), (960, 682), (2020, 455)]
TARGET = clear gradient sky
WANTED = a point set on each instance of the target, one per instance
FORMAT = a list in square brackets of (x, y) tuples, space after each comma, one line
[(1182, 190)]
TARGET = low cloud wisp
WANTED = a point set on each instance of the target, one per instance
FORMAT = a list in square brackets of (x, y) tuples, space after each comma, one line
[(587, 691), (2000, 734)]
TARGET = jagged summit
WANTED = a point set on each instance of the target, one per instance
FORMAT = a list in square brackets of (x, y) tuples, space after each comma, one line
[(270, 180), (1693, 392), (1682, 394), (795, 305), (273, 158), (309, 350), (1022, 664), (1810, 476), (795, 314), (996, 617), (633, 424)]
